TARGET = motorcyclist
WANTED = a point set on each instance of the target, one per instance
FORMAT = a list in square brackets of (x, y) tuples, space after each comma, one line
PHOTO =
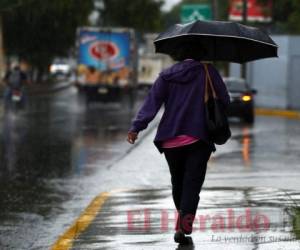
[(15, 80)]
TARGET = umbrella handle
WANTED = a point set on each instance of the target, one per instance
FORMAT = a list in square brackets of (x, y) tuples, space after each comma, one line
[(208, 84)]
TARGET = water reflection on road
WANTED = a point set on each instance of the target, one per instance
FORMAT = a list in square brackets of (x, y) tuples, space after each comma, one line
[(55, 157), (41, 151), (60, 138)]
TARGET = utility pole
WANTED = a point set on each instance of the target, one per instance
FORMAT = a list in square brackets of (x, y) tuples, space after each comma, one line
[(245, 11), (2, 55), (244, 21), (215, 7)]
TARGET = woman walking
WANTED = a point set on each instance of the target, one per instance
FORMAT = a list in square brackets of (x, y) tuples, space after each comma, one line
[(182, 134)]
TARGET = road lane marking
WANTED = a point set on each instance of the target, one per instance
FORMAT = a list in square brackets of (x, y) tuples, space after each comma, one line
[(65, 241), (277, 112)]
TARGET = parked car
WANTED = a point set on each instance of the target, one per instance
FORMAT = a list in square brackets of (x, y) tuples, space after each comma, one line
[(60, 66), (242, 99)]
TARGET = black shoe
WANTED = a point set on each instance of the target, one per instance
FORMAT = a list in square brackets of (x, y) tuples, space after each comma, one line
[(180, 238)]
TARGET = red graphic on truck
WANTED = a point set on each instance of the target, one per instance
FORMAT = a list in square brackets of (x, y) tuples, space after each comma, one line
[(104, 50)]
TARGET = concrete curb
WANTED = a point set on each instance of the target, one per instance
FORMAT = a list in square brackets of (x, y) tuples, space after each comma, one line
[(45, 90), (50, 90), (290, 114)]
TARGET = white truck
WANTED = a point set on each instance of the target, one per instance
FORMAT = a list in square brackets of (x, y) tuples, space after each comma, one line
[(150, 63)]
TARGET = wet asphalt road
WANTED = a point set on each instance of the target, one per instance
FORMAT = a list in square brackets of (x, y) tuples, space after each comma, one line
[(45, 152), (58, 156)]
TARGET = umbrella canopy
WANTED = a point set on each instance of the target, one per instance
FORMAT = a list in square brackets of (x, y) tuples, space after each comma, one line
[(215, 41)]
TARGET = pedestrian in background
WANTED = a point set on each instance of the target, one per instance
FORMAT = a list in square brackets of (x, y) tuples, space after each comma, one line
[(182, 134)]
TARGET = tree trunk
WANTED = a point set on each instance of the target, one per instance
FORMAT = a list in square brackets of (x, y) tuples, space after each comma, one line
[(40, 75)]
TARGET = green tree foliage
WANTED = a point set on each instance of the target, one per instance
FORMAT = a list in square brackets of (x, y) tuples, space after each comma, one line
[(6, 5), (143, 15), (286, 15), (39, 30)]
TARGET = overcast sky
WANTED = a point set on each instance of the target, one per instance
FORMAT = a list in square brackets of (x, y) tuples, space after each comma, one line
[(169, 4)]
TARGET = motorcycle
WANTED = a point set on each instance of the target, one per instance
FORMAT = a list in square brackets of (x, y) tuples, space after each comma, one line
[(16, 96), (16, 99)]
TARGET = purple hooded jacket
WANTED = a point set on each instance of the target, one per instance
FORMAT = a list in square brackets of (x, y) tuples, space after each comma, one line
[(181, 89)]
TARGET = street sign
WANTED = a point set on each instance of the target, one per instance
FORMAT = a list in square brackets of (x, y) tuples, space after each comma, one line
[(192, 12)]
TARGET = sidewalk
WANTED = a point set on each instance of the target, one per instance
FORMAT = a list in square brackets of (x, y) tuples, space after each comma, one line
[(230, 215), (145, 219)]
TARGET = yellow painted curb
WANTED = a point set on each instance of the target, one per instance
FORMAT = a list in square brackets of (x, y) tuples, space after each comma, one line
[(277, 112), (65, 241)]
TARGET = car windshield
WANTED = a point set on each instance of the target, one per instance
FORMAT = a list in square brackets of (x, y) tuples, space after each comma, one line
[(236, 85), (60, 61)]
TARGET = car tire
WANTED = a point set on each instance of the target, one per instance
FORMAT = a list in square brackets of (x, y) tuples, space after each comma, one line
[(249, 118)]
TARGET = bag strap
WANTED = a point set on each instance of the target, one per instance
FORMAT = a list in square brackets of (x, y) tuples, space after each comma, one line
[(208, 85)]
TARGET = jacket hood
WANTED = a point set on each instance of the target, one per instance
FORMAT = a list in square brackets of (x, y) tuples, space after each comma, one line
[(182, 72)]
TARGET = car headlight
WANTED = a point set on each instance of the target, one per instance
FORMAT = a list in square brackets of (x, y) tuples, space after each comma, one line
[(246, 98)]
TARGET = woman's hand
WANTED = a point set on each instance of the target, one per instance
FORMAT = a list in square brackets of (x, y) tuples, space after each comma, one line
[(132, 136)]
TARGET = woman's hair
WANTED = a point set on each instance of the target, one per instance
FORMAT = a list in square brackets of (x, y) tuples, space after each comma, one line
[(188, 51)]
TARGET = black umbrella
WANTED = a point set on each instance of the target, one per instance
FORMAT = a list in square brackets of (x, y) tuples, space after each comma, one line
[(215, 41)]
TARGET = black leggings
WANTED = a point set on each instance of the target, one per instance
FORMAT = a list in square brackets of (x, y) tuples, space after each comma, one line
[(187, 166)]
